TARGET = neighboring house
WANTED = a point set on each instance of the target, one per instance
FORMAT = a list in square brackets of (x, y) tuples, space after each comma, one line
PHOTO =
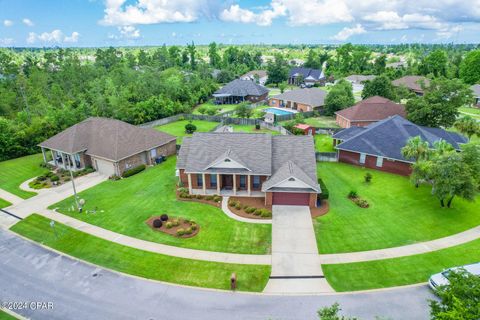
[(307, 129), (358, 80), (367, 111), (259, 76), (238, 91), (396, 65), (307, 76), (280, 168), (379, 146), (303, 100), (109, 146), (413, 83), (476, 93)]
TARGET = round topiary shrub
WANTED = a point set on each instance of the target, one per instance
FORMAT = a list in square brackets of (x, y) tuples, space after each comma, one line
[(250, 210), (54, 178), (180, 232), (169, 225), (188, 230), (157, 223), (238, 206), (266, 213), (176, 223), (217, 199), (164, 217), (257, 212), (193, 227)]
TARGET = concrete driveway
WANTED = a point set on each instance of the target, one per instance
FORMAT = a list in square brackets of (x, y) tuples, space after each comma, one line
[(31, 273), (296, 264)]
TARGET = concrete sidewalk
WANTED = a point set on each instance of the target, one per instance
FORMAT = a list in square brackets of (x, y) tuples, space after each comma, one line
[(296, 264), (232, 215), (10, 197)]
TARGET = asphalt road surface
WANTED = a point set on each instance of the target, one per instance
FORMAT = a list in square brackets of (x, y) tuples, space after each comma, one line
[(76, 290)]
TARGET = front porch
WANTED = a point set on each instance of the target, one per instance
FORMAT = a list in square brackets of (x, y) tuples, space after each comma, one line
[(65, 161), (228, 193)]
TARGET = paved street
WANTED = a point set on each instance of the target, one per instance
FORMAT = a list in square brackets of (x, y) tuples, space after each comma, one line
[(29, 272)]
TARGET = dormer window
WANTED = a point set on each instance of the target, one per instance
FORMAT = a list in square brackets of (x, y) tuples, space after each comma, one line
[(291, 179), (227, 160)]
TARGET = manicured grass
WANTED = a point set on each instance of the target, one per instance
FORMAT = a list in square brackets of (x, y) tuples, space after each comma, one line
[(4, 203), (15, 171), (221, 108), (399, 214), (399, 271), (128, 203), (251, 129), (321, 122), (470, 110), (141, 263), (6, 316), (177, 128), (323, 143)]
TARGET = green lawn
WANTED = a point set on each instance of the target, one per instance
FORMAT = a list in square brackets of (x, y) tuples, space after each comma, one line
[(4, 203), (399, 214), (128, 203), (141, 263), (177, 128), (321, 122), (251, 129), (15, 171), (221, 108), (399, 271), (6, 316), (475, 111), (323, 143)]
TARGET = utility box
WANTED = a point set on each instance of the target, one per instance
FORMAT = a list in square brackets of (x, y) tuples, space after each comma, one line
[(233, 281)]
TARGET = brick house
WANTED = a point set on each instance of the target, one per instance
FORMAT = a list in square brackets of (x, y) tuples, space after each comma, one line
[(303, 100), (238, 91), (415, 84), (367, 111), (109, 146), (282, 169), (379, 145)]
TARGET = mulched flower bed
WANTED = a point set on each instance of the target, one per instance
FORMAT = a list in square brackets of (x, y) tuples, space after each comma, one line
[(56, 178), (321, 210), (190, 228), (362, 203), (248, 207), (210, 199)]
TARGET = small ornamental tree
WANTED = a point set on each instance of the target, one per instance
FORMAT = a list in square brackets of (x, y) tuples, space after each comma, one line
[(332, 313), (467, 126), (190, 128)]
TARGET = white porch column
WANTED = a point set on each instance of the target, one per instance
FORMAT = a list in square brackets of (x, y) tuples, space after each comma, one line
[(234, 184), (44, 155), (190, 183), (54, 158), (63, 160), (204, 184), (249, 187), (218, 183)]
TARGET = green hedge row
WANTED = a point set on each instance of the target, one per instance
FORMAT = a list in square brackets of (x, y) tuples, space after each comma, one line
[(325, 193), (132, 171)]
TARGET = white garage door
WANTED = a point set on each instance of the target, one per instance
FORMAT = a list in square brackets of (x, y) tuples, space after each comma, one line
[(105, 167)]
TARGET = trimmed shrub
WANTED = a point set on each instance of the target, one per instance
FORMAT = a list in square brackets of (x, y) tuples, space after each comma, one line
[(368, 177), (352, 194), (193, 227), (361, 203), (114, 178), (164, 217), (188, 231), (257, 212), (66, 179), (190, 128), (54, 178), (238, 206), (265, 213), (245, 206), (325, 193), (180, 232), (183, 195), (175, 222), (257, 126), (169, 225), (157, 223), (199, 196), (41, 178), (209, 198), (132, 171), (182, 190), (250, 210), (217, 198)]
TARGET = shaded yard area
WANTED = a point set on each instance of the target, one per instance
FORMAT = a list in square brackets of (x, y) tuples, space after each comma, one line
[(128, 203), (177, 128), (141, 263), (323, 143), (15, 171), (399, 271), (399, 214)]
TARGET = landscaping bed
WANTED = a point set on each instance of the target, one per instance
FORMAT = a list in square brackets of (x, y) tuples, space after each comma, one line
[(250, 207), (321, 210), (174, 226), (57, 178), (213, 200)]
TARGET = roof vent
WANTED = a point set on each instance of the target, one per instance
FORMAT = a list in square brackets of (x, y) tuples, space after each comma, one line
[(227, 160), (291, 179)]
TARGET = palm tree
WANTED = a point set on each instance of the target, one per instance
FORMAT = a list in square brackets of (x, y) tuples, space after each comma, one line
[(442, 147), (467, 126), (418, 149)]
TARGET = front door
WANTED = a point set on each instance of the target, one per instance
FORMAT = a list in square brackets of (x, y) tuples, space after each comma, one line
[(227, 182)]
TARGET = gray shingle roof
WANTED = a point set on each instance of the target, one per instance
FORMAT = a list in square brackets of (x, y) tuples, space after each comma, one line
[(315, 74), (359, 78), (242, 88), (346, 134), (311, 96), (261, 153), (412, 82), (287, 171), (386, 138), (476, 90), (106, 138)]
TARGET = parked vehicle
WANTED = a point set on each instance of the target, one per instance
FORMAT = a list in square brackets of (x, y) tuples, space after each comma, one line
[(441, 278)]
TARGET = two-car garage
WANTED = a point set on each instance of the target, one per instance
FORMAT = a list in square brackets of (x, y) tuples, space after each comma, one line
[(290, 198)]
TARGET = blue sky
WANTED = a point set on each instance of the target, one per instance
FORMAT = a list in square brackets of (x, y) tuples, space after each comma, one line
[(84, 23)]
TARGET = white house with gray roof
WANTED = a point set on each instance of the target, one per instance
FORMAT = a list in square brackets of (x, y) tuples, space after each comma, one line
[(280, 168)]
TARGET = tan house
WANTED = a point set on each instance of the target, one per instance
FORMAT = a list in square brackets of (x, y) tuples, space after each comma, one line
[(303, 100), (368, 111), (281, 169), (109, 146)]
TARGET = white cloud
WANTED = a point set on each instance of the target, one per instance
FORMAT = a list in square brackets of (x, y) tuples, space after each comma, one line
[(6, 42), (118, 13), (449, 31), (54, 37), (129, 32), (7, 23), (27, 22), (263, 18), (346, 32)]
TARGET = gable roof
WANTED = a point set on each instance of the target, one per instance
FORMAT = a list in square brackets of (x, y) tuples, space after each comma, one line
[(412, 82), (359, 78), (242, 88), (373, 109), (251, 74), (386, 138), (476, 90), (262, 154), (347, 133), (106, 138), (314, 74), (310, 96), (287, 171)]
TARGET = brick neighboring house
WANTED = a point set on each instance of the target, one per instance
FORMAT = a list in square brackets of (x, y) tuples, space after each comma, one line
[(379, 145), (476, 93), (367, 111), (303, 100), (238, 91), (307, 76), (413, 83), (258, 76), (282, 169), (110, 146)]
